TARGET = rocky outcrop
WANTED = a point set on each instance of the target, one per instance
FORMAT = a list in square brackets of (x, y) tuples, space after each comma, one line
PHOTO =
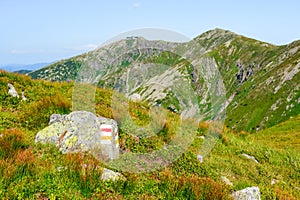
[(12, 91), (82, 131), (244, 72), (287, 75), (249, 193), (135, 97)]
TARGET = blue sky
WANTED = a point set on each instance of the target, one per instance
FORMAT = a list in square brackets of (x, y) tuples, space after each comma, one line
[(33, 31)]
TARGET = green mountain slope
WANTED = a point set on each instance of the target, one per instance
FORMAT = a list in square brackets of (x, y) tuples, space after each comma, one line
[(264, 79), (261, 80)]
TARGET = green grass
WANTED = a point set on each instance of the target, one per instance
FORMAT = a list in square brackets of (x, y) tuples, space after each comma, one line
[(35, 171)]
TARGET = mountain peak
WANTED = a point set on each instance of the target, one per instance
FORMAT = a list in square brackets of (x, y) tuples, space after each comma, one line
[(217, 32), (220, 30), (215, 37)]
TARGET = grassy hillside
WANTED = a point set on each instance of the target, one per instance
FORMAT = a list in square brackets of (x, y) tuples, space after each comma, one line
[(269, 92), (35, 171)]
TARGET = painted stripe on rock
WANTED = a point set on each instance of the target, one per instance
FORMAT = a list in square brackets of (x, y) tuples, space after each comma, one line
[(105, 142), (105, 137), (106, 129)]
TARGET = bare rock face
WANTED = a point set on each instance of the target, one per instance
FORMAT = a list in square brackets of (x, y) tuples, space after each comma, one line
[(135, 97), (249, 193), (13, 92), (244, 72), (80, 131)]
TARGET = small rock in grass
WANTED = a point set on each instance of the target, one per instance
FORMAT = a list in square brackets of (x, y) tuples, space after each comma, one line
[(61, 168), (200, 158), (23, 96), (249, 193), (226, 180), (109, 175), (250, 157), (274, 181)]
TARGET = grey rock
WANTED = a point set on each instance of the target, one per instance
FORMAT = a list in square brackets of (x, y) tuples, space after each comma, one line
[(200, 158), (56, 118), (109, 175), (244, 73), (226, 181), (135, 97), (250, 157), (274, 181), (12, 91), (249, 193), (23, 96), (80, 131), (61, 168)]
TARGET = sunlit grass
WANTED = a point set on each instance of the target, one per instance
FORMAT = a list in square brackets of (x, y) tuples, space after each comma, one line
[(35, 171)]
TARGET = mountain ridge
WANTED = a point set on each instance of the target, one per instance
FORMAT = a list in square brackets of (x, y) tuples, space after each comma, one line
[(260, 78)]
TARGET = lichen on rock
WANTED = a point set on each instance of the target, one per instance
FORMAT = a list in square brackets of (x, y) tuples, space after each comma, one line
[(78, 131)]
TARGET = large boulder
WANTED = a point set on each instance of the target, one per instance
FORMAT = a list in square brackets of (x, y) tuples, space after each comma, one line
[(82, 131)]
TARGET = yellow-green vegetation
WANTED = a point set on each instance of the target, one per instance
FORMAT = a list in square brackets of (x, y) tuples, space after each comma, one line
[(277, 151), (36, 171)]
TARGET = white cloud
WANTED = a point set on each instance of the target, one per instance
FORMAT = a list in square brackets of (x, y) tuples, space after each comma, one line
[(136, 5)]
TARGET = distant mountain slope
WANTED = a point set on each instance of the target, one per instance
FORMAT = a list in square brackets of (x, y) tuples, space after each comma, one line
[(23, 71), (19, 67), (261, 80)]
